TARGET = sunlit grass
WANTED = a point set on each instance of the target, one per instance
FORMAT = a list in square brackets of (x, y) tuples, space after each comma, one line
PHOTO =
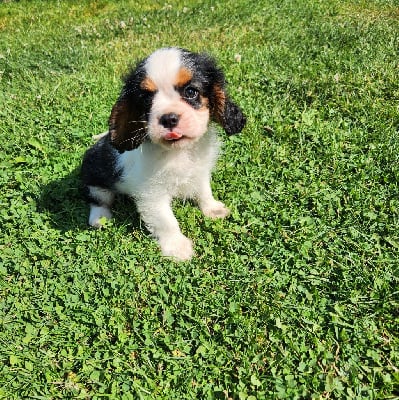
[(293, 296)]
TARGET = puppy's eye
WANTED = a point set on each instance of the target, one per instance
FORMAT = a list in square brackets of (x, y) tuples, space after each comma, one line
[(190, 93)]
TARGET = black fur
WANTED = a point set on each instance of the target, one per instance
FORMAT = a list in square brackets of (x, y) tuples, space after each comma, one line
[(99, 168), (233, 120)]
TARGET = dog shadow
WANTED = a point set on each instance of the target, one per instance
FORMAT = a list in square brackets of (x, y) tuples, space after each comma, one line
[(62, 200)]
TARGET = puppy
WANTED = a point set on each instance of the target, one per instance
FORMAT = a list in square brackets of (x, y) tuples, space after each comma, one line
[(160, 146)]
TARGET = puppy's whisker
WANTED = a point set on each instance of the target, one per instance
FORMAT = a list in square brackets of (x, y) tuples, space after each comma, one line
[(140, 122), (140, 129), (142, 134)]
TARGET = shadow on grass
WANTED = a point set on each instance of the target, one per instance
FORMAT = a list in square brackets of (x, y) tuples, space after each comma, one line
[(68, 210)]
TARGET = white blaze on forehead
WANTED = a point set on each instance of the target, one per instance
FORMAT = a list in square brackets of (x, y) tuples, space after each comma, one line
[(163, 66)]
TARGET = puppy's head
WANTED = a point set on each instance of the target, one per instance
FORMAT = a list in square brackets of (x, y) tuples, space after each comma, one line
[(169, 99)]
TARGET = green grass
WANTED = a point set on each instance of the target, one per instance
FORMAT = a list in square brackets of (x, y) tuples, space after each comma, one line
[(294, 296)]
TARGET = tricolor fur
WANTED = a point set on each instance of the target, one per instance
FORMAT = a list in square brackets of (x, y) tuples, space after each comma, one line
[(160, 146)]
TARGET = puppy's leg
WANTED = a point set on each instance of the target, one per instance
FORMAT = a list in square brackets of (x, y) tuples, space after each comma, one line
[(207, 203), (100, 205), (161, 222)]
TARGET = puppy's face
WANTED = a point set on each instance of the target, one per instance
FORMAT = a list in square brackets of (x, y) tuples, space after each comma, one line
[(179, 113), (169, 99)]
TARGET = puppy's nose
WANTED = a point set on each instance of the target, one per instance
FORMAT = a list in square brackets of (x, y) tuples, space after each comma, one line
[(169, 120)]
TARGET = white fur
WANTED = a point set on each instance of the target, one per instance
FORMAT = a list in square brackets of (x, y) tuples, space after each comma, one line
[(98, 214), (162, 66)]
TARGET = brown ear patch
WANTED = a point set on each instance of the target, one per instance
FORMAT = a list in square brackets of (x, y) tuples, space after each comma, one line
[(219, 103), (126, 129), (148, 84), (183, 77)]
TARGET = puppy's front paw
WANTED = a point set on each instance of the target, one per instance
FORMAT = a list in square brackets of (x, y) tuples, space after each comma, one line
[(179, 247), (216, 210)]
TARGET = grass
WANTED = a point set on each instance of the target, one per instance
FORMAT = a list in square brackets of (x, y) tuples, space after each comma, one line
[(294, 296)]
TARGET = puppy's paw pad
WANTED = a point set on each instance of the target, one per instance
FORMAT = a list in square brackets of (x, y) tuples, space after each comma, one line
[(178, 247), (216, 210)]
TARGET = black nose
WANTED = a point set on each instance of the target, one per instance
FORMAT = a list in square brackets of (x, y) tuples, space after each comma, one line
[(169, 120)]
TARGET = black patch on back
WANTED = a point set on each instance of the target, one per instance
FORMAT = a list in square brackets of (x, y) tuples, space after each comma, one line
[(99, 166)]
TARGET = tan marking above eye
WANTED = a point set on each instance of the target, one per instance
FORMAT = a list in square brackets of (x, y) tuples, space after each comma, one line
[(183, 77), (148, 84)]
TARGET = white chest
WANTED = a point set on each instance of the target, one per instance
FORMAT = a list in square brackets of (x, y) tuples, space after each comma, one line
[(153, 171)]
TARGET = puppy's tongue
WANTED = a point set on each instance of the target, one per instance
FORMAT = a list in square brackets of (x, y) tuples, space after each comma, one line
[(173, 136)]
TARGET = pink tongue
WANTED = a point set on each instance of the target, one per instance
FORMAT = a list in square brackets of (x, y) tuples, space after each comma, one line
[(173, 136)]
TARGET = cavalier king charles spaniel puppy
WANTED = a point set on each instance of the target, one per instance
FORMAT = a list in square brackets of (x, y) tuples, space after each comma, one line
[(160, 146)]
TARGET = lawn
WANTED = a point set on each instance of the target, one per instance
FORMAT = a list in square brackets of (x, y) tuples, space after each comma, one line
[(294, 296)]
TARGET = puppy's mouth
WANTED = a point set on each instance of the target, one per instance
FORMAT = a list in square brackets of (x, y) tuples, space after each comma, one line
[(173, 136)]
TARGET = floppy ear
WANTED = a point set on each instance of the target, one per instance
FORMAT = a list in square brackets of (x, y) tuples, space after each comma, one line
[(126, 126), (224, 111)]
